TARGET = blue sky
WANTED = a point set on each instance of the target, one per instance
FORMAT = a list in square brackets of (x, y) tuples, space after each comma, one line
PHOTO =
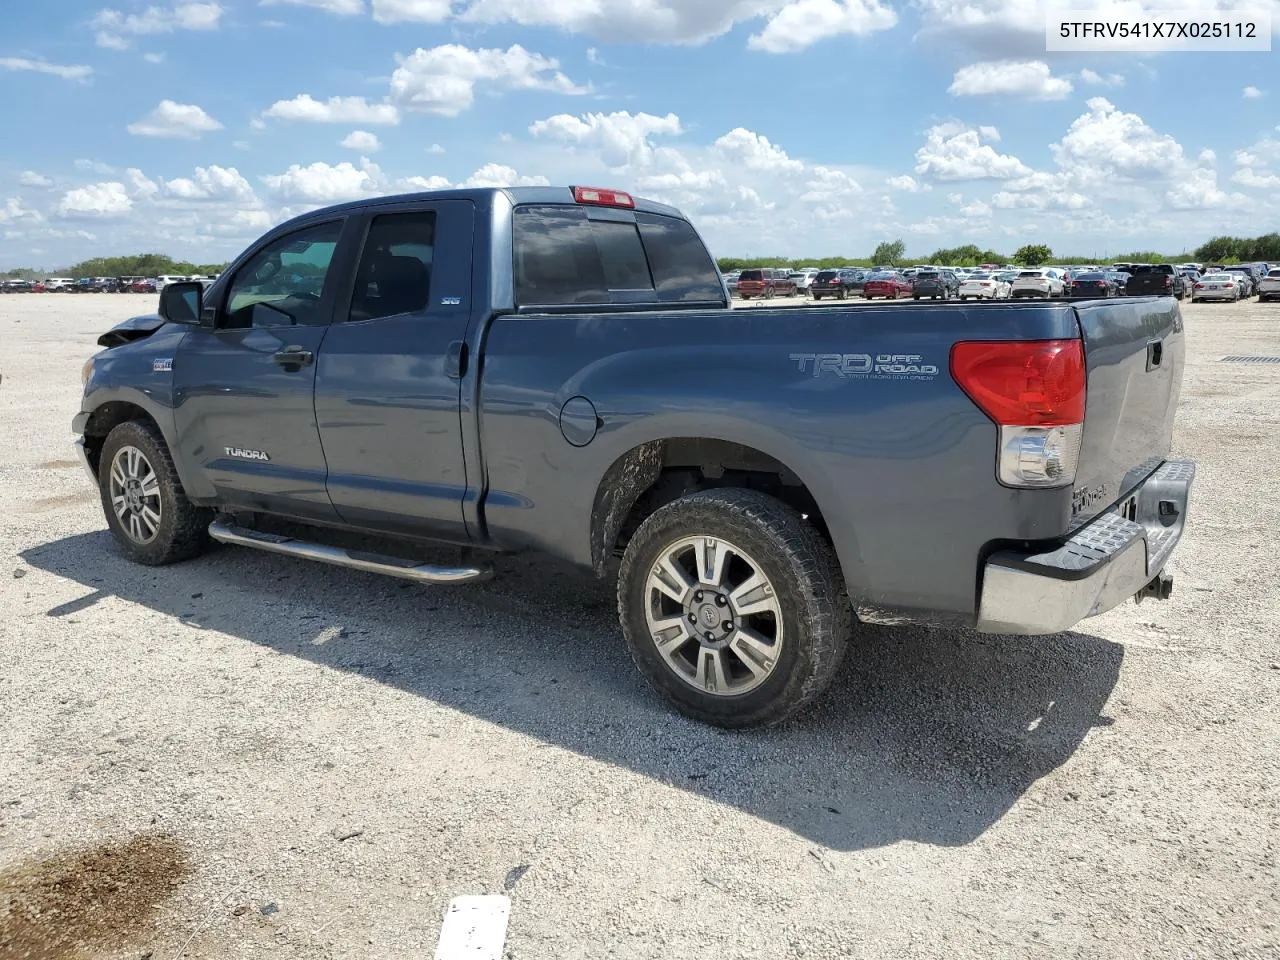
[(795, 127)]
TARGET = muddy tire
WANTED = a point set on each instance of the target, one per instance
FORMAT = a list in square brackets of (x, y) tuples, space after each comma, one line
[(146, 508), (733, 607)]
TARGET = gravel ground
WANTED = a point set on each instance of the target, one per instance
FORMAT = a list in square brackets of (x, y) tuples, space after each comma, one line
[(321, 759)]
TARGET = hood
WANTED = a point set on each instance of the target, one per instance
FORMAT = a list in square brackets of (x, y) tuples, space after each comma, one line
[(135, 328)]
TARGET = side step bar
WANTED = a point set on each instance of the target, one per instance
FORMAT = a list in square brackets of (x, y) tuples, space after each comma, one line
[(224, 531)]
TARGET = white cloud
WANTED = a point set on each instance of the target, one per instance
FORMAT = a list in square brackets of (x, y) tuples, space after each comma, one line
[(805, 22), (211, 183), (417, 184), (593, 56), (306, 108), (361, 140), (1265, 151), (153, 57), (1251, 93), (828, 185), (104, 200), (498, 175), (142, 186), (1198, 189), (43, 66), (443, 80), (414, 11), (14, 210), (29, 178), (1028, 79), (95, 166), (623, 139), (115, 27), (1110, 142), (953, 151), (1248, 177), (1098, 80), (755, 152), (322, 183), (175, 121), (343, 8), (977, 210), (435, 148), (906, 183)]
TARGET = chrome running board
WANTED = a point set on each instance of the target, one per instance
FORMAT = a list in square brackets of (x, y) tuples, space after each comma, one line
[(224, 531)]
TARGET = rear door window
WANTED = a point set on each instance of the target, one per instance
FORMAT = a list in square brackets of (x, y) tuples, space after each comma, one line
[(622, 255)]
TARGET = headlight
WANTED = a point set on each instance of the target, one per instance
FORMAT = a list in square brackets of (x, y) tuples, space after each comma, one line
[(87, 370)]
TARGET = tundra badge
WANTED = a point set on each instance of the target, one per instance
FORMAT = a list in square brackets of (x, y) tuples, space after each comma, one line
[(242, 454)]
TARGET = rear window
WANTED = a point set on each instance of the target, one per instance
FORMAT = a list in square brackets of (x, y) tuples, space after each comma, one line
[(1035, 274), (1090, 276), (751, 275), (564, 257), (826, 275), (1275, 274)]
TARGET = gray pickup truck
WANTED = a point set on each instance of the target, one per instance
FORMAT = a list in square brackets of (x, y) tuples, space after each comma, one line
[(557, 370)]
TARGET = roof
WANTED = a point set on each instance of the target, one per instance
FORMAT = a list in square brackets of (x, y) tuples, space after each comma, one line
[(478, 195)]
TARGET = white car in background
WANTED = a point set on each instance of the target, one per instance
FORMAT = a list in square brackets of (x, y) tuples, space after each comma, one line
[(804, 278), (162, 282), (58, 284), (1038, 282), (1218, 286), (1269, 286), (984, 286)]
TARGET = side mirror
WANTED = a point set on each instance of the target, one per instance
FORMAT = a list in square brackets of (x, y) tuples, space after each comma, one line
[(182, 302)]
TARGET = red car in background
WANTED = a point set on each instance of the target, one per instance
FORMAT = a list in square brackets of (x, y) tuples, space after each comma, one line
[(889, 284), (767, 282)]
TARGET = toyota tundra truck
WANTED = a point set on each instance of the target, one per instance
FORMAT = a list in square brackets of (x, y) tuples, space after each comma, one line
[(559, 370)]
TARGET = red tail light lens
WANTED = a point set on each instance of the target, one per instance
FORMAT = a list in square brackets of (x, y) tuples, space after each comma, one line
[(599, 197), (1023, 383)]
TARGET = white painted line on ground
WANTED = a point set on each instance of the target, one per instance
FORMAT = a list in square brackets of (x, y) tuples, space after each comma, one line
[(475, 928)]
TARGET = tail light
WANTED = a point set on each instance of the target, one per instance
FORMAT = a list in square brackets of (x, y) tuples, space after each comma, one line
[(1034, 390), (1198, 286), (1168, 281)]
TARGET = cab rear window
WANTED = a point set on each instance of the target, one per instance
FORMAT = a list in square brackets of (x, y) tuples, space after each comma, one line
[(564, 257)]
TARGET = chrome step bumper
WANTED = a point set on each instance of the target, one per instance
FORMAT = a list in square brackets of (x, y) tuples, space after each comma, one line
[(1101, 565)]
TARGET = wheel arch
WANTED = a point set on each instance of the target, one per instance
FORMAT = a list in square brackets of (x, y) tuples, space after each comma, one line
[(655, 472), (106, 417)]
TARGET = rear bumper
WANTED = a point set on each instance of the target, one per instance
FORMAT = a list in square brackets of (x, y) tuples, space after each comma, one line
[(1100, 566)]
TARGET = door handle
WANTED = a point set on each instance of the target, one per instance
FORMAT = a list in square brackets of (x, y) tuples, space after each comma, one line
[(1155, 353), (293, 358)]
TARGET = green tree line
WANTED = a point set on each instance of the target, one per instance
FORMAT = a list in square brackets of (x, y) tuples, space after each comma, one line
[(138, 265), (1228, 250)]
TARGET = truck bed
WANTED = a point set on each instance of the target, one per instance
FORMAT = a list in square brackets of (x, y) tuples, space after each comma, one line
[(899, 460)]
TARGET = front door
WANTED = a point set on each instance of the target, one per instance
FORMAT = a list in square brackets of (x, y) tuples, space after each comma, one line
[(245, 409), (389, 378)]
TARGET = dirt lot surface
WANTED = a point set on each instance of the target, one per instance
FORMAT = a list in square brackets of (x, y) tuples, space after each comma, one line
[(318, 760)]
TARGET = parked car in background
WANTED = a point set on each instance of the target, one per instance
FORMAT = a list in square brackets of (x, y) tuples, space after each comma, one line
[(59, 284), (840, 284), (985, 286), (804, 278), (1269, 286), (731, 281), (1037, 282), (1249, 279), (16, 286), (1217, 286), (163, 281), (766, 282), (1156, 280), (935, 284), (1092, 286), (889, 285)]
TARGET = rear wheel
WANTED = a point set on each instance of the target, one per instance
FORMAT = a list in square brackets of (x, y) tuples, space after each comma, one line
[(842, 295), (768, 294), (733, 607), (146, 508)]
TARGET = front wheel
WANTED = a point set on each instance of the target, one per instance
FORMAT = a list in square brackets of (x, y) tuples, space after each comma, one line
[(146, 508), (842, 295), (733, 607), (768, 294)]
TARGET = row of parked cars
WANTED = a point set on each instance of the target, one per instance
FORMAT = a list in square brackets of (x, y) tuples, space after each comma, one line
[(996, 282), (96, 284)]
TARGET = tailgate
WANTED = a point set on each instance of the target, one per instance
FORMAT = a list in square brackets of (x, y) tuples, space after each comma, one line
[(1133, 357)]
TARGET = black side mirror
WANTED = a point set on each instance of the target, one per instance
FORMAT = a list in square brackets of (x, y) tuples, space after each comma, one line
[(182, 302)]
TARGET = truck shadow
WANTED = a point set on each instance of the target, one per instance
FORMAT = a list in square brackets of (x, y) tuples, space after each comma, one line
[(928, 736)]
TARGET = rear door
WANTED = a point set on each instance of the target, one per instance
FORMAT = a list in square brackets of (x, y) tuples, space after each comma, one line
[(244, 384), (389, 377)]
